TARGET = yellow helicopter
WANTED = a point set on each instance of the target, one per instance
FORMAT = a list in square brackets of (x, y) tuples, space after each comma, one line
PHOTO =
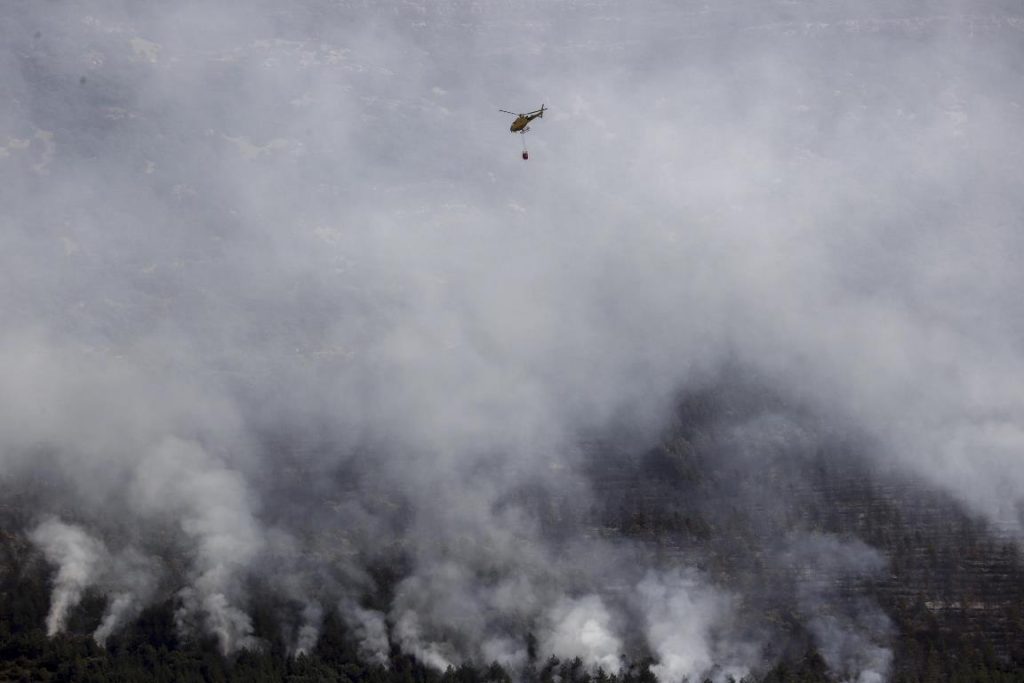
[(522, 124)]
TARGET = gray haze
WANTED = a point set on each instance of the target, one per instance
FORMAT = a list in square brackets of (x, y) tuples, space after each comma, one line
[(261, 263)]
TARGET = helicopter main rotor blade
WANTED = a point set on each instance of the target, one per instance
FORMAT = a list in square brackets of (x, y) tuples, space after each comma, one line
[(506, 111)]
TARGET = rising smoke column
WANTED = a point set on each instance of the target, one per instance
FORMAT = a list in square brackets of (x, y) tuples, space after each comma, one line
[(127, 577), (687, 628), (370, 629), (583, 627), (182, 479), (131, 583), (80, 560), (851, 632), (225, 224)]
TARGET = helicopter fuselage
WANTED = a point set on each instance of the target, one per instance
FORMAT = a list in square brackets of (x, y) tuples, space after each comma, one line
[(523, 120), (519, 124)]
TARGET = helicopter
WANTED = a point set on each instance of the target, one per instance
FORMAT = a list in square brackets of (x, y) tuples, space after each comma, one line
[(522, 124)]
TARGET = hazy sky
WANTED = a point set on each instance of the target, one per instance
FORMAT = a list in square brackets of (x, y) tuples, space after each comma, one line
[(229, 228)]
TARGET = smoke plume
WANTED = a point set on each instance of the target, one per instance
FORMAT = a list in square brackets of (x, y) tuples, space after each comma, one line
[(283, 305), (80, 560)]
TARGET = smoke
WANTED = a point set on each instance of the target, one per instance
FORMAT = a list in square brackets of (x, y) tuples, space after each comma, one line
[(80, 560), (371, 632), (582, 627), (182, 480), (127, 577), (851, 632), (410, 636), (849, 649), (131, 582), (688, 629), (279, 290), (309, 632)]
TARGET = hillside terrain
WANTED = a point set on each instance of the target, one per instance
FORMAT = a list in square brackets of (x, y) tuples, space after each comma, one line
[(948, 587), (307, 374)]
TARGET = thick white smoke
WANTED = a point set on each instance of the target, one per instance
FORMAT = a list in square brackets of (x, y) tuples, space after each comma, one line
[(583, 627), (127, 577), (281, 274), (181, 479), (688, 628), (80, 560), (131, 583)]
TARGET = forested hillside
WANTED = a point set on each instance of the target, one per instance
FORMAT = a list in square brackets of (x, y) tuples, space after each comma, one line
[(950, 588)]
